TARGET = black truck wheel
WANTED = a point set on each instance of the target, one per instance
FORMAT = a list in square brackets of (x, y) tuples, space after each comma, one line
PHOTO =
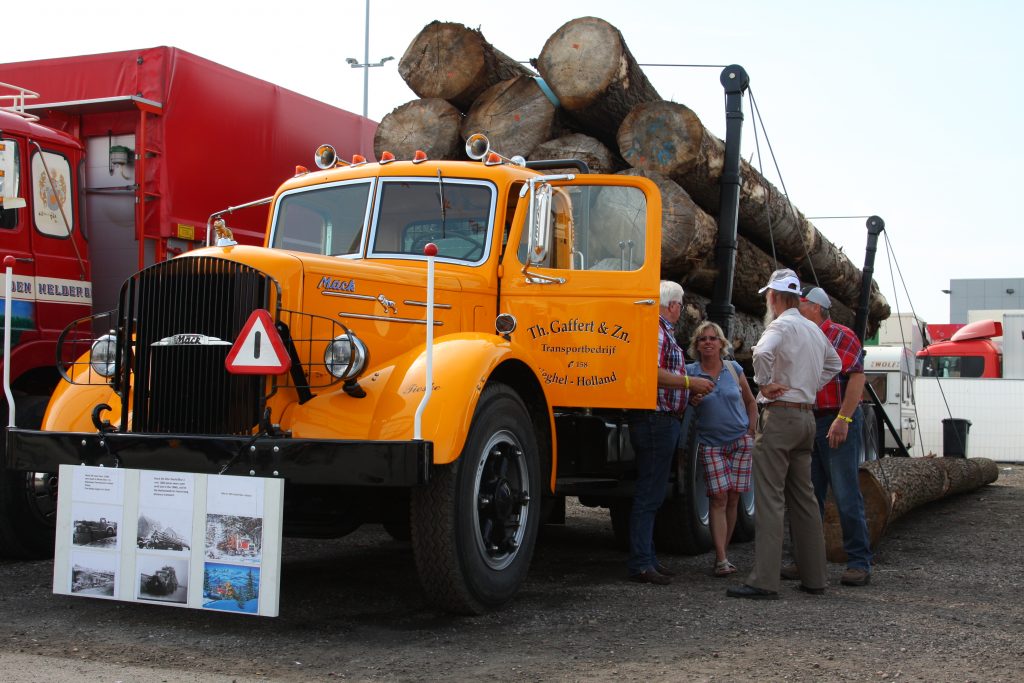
[(28, 500), (681, 526), (871, 437), (475, 523)]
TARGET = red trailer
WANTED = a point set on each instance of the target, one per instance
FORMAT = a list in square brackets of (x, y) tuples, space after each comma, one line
[(201, 136)]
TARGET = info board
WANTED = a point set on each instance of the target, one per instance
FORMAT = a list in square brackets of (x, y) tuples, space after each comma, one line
[(170, 538)]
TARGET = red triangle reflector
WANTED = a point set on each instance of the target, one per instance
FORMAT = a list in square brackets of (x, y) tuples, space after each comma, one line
[(259, 349)]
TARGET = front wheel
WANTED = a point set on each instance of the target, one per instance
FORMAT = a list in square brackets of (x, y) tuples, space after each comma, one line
[(28, 500), (475, 523)]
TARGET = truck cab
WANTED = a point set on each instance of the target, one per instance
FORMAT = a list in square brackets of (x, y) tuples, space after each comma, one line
[(42, 233), (448, 348), (974, 350)]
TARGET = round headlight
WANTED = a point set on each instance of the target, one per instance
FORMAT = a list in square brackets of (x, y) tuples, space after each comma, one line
[(346, 356), (104, 355)]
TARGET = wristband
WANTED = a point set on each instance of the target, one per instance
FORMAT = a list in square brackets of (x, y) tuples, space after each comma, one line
[(845, 419), (687, 381)]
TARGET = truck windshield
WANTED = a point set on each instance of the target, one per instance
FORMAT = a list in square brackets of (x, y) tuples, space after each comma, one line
[(950, 366), (456, 215), (327, 220)]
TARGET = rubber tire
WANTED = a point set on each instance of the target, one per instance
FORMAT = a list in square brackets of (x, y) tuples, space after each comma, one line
[(681, 526), (458, 575), (28, 500), (744, 530), (871, 437)]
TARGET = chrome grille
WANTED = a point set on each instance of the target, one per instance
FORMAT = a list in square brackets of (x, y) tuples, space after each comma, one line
[(186, 388)]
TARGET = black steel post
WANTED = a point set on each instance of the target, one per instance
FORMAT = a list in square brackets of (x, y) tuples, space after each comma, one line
[(860, 324), (720, 310)]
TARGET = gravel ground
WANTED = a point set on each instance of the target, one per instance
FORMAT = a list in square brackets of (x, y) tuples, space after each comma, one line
[(944, 605)]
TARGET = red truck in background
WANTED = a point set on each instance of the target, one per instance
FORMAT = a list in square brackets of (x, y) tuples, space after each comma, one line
[(110, 163), (971, 350)]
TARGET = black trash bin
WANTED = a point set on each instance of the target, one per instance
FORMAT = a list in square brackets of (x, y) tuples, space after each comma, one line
[(954, 437)]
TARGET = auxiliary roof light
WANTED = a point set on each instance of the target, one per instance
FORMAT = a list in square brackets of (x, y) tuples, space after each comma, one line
[(419, 157), (386, 157)]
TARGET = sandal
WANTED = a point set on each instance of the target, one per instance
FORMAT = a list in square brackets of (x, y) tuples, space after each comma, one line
[(724, 568)]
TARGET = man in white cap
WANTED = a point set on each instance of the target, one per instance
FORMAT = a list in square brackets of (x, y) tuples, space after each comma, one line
[(792, 360), (837, 441)]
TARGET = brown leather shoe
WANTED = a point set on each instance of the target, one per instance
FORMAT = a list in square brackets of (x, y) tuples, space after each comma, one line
[(855, 577), (790, 572), (663, 570), (651, 576)]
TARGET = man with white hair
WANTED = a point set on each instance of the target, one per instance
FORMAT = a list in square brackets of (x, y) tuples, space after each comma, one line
[(654, 435), (792, 360), (835, 461)]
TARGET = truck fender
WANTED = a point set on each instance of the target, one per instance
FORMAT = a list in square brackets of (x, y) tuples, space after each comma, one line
[(462, 364)]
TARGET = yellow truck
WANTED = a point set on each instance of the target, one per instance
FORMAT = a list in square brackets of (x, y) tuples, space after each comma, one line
[(445, 347)]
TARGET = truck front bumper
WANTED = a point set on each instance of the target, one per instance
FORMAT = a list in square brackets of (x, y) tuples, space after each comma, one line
[(301, 461)]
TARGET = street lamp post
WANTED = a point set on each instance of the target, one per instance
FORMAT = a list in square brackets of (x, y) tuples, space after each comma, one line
[(365, 65)]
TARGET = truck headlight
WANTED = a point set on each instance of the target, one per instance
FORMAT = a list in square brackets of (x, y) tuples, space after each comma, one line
[(346, 356), (104, 355)]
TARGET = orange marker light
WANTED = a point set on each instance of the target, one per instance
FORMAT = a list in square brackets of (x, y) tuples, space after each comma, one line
[(358, 159), (493, 159), (386, 157), (419, 157), (301, 170)]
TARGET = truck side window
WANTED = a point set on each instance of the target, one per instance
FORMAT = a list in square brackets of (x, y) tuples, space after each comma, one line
[(53, 201), (596, 228), (951, 366), (327, 220), (10, 181)]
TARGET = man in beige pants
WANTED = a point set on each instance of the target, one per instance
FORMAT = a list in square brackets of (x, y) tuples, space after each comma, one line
[(792, 360)]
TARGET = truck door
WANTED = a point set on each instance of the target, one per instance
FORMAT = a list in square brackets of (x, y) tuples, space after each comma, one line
[(58, 251), (584, 291)]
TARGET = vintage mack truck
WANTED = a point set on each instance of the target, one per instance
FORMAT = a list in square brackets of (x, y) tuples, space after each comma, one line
[(459, 406)]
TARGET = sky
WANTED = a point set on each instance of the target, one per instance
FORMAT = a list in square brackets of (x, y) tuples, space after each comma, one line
[(905, 109)]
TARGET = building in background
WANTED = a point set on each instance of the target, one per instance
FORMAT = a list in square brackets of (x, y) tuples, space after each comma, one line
[(996, 295)]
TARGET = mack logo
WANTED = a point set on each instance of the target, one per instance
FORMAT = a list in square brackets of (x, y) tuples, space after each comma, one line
[(333, 284), (191, 340)]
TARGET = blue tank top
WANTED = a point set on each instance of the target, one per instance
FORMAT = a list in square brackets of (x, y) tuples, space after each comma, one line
[(721, 416)]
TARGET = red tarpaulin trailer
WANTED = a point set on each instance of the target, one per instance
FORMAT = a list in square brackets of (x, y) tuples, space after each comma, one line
[(202, 136)]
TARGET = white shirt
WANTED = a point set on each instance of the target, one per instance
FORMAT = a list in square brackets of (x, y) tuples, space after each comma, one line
[(795, 352)]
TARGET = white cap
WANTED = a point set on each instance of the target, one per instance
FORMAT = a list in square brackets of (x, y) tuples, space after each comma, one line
[(817, 295), (783, 280)]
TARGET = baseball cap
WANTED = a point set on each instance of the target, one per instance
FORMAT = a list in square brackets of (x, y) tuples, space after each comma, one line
[(817, 295), (783, 280)]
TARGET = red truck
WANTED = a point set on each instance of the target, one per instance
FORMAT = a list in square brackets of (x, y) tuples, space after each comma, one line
[(111, 163)]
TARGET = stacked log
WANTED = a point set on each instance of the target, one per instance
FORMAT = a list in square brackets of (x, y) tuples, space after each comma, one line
[(893, 486), (455, 63), (430, 124), (593, 101)]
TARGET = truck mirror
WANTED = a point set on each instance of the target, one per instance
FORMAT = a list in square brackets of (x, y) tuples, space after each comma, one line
[(540, 223)]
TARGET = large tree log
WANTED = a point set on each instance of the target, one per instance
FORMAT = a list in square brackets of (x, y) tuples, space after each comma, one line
[(431, 125), (515, 115), (454, 63), (598, 157), (589, 68), (893, 486), (669, 138)]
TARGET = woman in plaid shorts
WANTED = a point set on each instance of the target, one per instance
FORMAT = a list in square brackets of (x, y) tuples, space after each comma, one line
[(726, 419)]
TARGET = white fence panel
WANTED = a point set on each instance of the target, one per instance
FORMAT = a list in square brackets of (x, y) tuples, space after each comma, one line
[(995, 408)]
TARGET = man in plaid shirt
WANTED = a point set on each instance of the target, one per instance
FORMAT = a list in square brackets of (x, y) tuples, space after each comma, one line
[(837, 444)]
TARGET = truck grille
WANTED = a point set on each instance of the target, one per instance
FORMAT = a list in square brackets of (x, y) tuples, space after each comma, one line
[(184, 388)]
